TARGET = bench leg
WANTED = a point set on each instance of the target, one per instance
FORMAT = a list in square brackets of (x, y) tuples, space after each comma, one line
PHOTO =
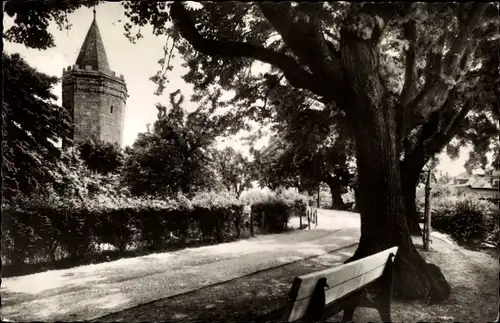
[(385, 314), (348, 314), (384, 308)]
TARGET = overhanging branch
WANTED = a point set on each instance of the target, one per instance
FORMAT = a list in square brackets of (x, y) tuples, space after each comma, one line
[(302, 33), (438, 132), (410, 83), (460, 43), (293, 72), (410, 32), (441, 71), (447, 133)]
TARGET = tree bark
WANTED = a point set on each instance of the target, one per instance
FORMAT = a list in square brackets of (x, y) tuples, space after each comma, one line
[(336, 191), (433, 138), (383, 222), (410, 173), (412, 216)]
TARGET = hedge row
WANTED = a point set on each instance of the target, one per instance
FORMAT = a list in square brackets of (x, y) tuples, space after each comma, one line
[(276, 212), (38, 232), (468, 221)]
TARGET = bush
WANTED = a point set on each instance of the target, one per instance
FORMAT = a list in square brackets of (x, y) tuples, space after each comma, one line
[(278, 208), (219, 216), (17, 234), (276, 215), (255, 195), (467, 220), (115, 227), (493, 236), (35, 230)]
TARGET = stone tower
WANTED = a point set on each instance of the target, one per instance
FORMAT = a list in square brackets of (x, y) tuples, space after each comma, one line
[(93, 94)]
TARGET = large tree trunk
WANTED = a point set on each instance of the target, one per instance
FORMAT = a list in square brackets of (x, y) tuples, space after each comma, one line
[(336, 191), (410, 174), (383, 222)]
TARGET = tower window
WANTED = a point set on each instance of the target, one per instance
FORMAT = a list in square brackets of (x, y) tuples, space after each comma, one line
[(111, 109)]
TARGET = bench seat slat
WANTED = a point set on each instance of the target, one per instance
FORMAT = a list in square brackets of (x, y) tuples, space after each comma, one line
[(337, 292), (342, 280)]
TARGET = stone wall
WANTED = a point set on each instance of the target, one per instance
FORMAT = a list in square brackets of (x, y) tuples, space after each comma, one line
[(96, 100)]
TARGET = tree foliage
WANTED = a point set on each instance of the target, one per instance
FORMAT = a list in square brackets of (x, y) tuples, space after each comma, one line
[(100, 156), (481, 130), (32, 126), (174, 156), (233, 170), (32, 19)]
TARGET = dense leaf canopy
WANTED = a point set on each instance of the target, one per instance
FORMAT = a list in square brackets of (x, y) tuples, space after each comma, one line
[(173, 156), (32, 125), (233, 170), (434, 58), (100, 156)]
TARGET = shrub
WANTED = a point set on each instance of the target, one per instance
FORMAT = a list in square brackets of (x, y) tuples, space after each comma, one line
[(154, 219), (492, 223), (219, 216), (17, 235), (36, 229), (493, 236), (115, 227), (465, 219), (255, 195), (276, 214), (296, 201), (278, 208)]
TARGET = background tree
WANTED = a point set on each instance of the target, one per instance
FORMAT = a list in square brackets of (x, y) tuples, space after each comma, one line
[(75, 180), (311, 145), (174, 156), (100, 156), (32, 126), (322, 150), (305, 166), (345, 56), (482, 130), (274, 167), (233, 170)]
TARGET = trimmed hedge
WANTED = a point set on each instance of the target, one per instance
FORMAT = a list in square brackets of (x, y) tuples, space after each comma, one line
[(278, 209), (71, 230), (276, 215)]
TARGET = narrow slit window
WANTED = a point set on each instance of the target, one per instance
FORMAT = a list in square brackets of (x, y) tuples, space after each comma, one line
[(111, 109)]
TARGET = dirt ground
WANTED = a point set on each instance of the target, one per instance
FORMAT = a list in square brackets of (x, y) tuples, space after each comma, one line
[(472, 275)]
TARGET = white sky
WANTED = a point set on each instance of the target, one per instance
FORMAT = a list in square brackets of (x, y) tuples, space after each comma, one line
[(137, 62)]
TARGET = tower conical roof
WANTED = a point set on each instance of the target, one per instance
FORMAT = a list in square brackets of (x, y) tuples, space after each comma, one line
[(92, 52)]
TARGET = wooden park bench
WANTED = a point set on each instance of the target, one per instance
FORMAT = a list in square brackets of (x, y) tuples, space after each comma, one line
[(365, 282)]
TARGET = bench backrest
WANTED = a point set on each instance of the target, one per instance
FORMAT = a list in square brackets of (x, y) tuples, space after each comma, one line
[(341, 280)]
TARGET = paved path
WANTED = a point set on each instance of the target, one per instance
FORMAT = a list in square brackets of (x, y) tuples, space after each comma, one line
[(88, 292)]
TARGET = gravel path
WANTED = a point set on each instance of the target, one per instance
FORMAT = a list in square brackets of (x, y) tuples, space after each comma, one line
[(88, 292)]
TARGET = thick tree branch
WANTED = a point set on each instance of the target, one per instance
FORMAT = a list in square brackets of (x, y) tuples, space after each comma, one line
[(432, 82), (460, 43), (447, 133), (410, 83), (437, 133), (301, 33), (442, 71), (294, 73)]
